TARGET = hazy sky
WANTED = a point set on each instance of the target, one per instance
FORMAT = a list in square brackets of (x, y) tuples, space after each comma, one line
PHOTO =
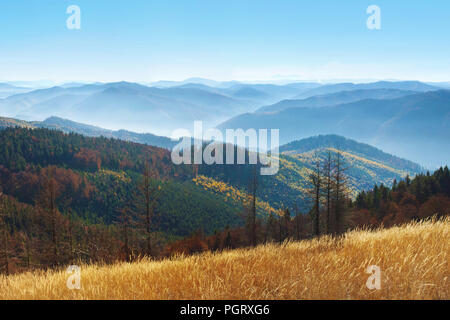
[(149, 40)]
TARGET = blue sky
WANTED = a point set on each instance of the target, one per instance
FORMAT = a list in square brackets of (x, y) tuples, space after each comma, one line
[(150, 40)]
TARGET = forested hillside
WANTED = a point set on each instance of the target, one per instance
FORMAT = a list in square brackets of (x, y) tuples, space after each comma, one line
[(69, 126), (131, 200), (62, 179), (424, 197), (409, 199)]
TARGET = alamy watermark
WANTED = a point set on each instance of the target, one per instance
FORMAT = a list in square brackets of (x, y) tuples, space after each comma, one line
[(74, 280), (210, 147), (374, 20), (74, 20), (374, 281)]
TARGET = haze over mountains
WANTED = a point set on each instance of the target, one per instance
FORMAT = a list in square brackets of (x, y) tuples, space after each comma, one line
[(145, 109), (7, 90), (405, 118), (399, 85), (366, 165), (68, 126), (340, 97), (416, 127)]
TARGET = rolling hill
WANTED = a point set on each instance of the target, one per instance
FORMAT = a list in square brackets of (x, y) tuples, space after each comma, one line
[(7, 90), (415, 127), (98, 204), (368, 165), (100, 176), (365, 165), (163, 109), (160, 109), (333, 99), (69, 126), (129, 105), (397, 85), (10, 122)]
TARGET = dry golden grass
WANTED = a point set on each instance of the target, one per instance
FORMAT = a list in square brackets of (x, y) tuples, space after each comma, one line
[(413, 260)]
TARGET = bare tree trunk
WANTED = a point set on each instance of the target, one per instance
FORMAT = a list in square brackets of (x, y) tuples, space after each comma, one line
[(328, 174), (251, 211), (148, 208), (70, 235), (27, 251), (297, 222), (5, 250), (150, 200), (254, 212), (317, 183), (53, 217), (4, 235), (340, 185)]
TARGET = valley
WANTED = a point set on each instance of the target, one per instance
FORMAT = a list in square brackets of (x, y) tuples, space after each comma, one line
[(100, 177)]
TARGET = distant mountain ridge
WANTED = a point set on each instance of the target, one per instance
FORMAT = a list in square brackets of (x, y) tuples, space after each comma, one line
[(333, 99), (165, 108), (415, 127), (7, 90), (399, 85), (141, 108), (369, 165), (68, 126), (343, 144), (125, 104)]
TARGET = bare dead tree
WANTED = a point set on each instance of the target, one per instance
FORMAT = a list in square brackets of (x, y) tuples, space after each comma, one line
[(151, 192), (47, 201), (4, 235), (340, 183), (328, 176), (252, 211), (316, 181)]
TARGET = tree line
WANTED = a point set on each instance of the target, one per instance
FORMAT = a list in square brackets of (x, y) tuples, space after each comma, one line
[(50, 178), (333, 210)]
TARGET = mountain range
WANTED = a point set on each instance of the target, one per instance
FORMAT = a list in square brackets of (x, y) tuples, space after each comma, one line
[(367, 165), (68, 126), (332, 99), (7, 90), (415, 126), (164, 107), (387, 114), (398, 85), (142, 108)]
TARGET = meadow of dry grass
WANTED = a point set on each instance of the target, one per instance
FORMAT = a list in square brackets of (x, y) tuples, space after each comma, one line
[(414, 262)]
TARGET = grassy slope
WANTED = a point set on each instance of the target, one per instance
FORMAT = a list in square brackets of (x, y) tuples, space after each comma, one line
[(414, 262)]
